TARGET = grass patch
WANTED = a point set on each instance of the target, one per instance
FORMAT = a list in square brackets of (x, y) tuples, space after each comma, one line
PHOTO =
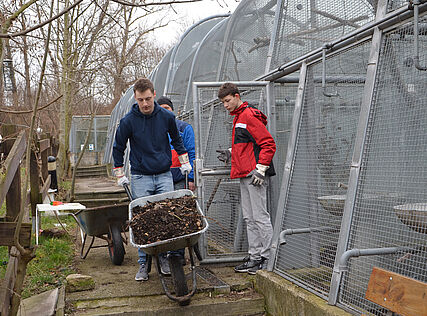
[(53, 261)]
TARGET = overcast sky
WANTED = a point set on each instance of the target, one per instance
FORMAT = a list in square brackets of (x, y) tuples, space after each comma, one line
[(187, 14)]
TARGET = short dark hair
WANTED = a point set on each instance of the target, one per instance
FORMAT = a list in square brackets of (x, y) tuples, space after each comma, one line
[(142, 85), (228, 88), (165, 100)]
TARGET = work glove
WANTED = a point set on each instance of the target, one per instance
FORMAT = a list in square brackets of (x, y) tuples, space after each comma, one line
[(120, 175), (224, 155), (258, 175), (185, 164)]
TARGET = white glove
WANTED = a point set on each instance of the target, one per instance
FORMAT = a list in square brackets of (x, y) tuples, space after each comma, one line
[(258, 175), (185, 168), (120, 175), (122, 181), (185, 163)]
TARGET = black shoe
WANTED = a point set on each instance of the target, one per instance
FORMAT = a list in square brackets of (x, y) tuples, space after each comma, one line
[(245, 266), (261, 266)]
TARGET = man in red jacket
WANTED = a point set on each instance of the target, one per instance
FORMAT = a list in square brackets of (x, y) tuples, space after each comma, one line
[(251, 156)]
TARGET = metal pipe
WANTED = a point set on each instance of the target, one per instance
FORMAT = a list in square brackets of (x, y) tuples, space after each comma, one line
[(222, 260), (364, 31), (417, 65), (347, 255), (307, 230)]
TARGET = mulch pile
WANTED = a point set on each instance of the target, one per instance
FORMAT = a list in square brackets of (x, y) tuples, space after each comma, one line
[(169, 218)]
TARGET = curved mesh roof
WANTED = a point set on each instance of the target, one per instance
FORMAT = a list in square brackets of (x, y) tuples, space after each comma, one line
[(206, 61), (305, 26), (182, 57), (161, 73), (247, 40)]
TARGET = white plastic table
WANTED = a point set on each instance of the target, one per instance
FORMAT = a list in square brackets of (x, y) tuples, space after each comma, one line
[(58, 210)]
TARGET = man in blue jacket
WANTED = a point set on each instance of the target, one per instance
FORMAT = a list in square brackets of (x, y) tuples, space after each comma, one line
[(147, 126), (187, 135)]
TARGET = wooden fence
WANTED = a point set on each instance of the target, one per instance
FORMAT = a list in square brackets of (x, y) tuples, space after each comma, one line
[(14, 148)]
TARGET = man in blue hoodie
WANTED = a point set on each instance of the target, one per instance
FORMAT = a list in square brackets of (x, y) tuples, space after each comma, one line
[(147, 126), (187, 135)]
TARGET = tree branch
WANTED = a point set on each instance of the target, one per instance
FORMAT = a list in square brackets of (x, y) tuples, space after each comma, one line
[(152, 3), (30, 111)]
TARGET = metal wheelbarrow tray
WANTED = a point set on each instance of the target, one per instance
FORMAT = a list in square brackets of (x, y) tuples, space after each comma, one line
[(106, 222), (185, 241)]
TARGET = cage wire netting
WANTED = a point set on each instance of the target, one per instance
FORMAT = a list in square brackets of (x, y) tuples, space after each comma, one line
[(206, 61), (182, 59), (247, 40), (391, 201), (307, 25), (98, 135), (161, 74), (389, 209), (316, 193)]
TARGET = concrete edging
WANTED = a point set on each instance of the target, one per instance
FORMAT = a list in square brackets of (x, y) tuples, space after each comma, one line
[(282, 297)]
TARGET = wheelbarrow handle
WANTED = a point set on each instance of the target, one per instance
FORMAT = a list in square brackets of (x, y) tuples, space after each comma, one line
[(186, 179), (128, 192)]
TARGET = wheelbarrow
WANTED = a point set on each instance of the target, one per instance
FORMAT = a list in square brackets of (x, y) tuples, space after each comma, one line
[(182, 296), (107, 223)]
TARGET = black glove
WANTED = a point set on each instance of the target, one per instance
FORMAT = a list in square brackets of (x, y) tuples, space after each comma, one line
[(224, 155), (258, 175)]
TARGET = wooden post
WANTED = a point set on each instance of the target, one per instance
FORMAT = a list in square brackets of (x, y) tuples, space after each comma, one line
[(35, 197), (44, 145), (13, 196)]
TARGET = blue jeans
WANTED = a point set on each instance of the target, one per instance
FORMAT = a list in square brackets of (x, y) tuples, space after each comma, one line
[(145, 185)]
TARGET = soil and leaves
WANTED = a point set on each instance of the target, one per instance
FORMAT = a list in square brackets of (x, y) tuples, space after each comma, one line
[(169, 218)]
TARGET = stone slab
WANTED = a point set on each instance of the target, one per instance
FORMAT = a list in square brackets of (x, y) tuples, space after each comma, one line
[(40, 304)]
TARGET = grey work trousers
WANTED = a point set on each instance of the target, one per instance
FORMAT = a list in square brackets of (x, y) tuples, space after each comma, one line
[(257, 218)]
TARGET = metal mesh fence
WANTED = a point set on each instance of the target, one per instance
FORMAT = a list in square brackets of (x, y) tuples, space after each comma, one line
[(79, 130), (248, 40), (161, 73), (182, 61), (207, 59), (316, 192), (305, 26), (391, 200), (221, 196), (395, 4)]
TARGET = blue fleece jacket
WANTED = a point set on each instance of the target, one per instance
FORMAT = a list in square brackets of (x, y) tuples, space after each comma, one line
[(187, 135), (150, 151)]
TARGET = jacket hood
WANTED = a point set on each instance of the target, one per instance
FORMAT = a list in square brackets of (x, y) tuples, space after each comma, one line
[(257, 113), (136, 111)]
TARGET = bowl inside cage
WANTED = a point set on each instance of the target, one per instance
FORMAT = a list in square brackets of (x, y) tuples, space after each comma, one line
[(413, 215), (334, 204)]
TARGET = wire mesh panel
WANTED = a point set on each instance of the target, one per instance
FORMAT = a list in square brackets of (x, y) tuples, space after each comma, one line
[(248, 40), (221, 195), (161, 73), (316, 192), (395, 4), (305, 26), (285, 95), (207, 58), (97, 138), (391, 199), (182, 61)]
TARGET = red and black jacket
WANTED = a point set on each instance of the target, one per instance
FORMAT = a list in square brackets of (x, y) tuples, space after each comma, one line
[(251, 142)]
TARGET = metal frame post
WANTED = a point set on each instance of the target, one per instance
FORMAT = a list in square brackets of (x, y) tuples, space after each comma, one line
[(366, 105), (290, 156)]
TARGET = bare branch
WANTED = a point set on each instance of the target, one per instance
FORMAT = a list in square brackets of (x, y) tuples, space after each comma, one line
[(30, 111), (41, 24), (152, 3)]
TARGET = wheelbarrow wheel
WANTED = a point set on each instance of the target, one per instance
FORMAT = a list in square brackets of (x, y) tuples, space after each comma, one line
[(178, 277), (116, 248)]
